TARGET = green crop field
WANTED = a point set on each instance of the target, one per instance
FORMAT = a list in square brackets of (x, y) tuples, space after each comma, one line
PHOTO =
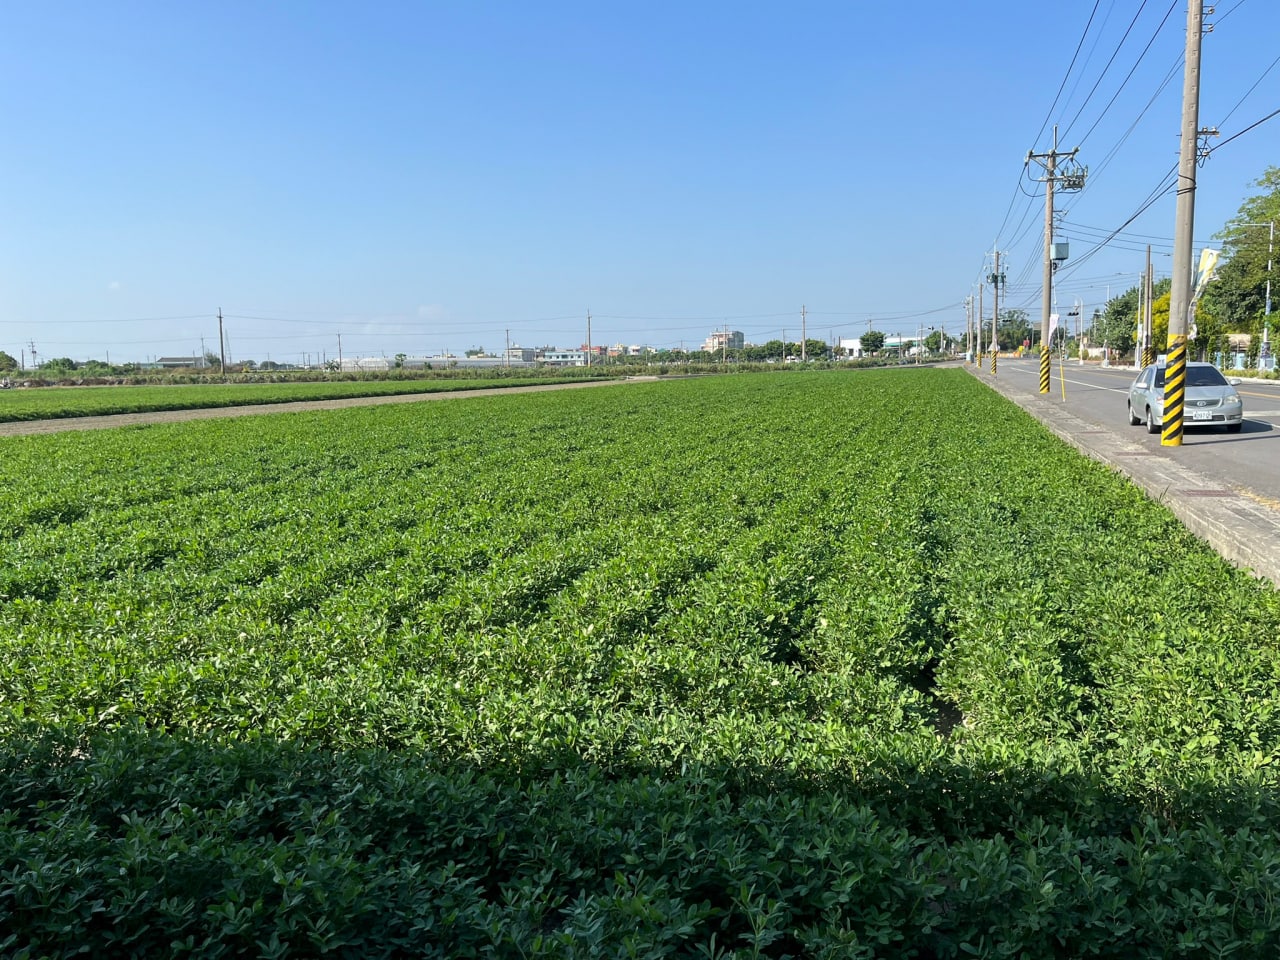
[(843, 664), (50, 403)]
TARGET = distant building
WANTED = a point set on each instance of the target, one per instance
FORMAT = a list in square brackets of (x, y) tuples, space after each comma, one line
[(722, 339), (563, 358), (178, 363), (521, 354), (852, 346)]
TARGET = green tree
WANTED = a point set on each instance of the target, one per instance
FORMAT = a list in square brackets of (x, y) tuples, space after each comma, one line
[(400, 359), (872, 341), (7, 362), (1013, 328), (1238, 297), (816, 349)]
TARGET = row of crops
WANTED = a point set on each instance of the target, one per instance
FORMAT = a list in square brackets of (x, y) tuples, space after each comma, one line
[(51, 403), (832, 664)]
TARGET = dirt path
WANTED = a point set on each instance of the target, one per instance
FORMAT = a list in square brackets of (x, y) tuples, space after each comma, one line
[(28, 427)]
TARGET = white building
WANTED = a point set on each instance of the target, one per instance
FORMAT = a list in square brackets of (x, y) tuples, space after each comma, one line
[(720, 339)]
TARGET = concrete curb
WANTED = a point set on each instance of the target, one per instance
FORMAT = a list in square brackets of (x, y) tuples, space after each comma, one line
[(1239, 525)]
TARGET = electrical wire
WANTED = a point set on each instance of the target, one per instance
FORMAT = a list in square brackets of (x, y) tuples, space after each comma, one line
[(1115, 53), (1236, 136), (1128, 76)]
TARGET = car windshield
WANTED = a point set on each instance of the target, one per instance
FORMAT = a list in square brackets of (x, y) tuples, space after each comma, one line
[(1197, 377)]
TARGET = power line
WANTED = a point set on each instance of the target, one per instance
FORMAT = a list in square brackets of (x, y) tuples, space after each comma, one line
[(1115, 53), (1128, 76), (1236, 136)]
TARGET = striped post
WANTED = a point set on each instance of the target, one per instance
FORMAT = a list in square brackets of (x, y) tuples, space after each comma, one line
[(994, 354), (1175, 389), (1046, 362), (1148, 355)]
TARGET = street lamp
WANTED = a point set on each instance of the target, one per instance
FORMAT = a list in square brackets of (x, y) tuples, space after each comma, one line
[(1271, 244)]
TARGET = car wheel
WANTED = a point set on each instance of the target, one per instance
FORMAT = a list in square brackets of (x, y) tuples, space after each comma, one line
[(1152, 426), (1234, 427), (1134, 419)]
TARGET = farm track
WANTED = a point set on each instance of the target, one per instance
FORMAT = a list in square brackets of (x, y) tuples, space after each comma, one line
[(109, 421)]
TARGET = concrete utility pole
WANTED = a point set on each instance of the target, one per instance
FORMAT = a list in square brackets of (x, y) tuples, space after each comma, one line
[(1175, 377), (982, 289), (222, 345), (507, 361), (1148, 338), (996, 278), (1071, 177), (803, 333), (968, 327), (588, 336), (339, 353)]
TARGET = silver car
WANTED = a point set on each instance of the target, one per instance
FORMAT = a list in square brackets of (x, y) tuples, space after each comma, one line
[(1211, 399)]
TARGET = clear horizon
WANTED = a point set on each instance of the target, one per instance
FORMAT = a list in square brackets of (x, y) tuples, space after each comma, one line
[(420, 178)]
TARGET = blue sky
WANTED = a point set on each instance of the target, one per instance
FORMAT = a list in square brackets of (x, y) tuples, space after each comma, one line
[(426, 176)]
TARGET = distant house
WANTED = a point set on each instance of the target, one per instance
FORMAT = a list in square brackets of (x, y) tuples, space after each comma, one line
[(176, 363)]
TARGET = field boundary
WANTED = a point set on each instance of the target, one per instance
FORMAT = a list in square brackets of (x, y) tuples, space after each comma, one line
[(1242, 528), (20, 428)]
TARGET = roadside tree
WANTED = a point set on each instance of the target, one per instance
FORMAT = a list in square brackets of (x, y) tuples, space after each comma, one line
[(872, 341)]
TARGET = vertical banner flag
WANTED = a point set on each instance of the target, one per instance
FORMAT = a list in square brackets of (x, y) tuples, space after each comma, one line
[(1208, 264), (1208, 261)]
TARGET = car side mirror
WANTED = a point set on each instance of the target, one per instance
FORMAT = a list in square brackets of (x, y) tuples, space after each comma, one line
[(1234, 381)]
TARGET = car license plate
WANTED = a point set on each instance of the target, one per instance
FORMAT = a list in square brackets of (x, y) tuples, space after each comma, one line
[(1201, 415)]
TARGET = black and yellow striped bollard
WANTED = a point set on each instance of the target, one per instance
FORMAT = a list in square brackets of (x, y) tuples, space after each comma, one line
[(1175, 391)]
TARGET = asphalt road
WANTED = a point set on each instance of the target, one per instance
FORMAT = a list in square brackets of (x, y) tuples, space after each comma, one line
[(1096, 395)]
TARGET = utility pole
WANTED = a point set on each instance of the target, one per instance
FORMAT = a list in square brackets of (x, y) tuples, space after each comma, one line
[(1071, 177), (1264, 356), (339, 353), (1175, 377), (1148, 339), (507, 355), (982, 289), (588, 336), (968, 327), (1271, 248), (31, 345), (996, 278), (724, 345), (803, 333), (222, 346)]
